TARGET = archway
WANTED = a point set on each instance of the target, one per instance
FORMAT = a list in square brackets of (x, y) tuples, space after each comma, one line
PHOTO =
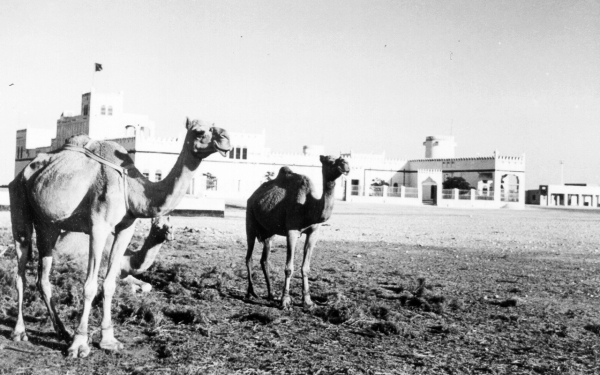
[(429, 191)]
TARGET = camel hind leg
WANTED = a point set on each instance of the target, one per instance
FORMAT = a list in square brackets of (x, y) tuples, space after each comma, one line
[(46, 242), (264, 262), (22, 228)]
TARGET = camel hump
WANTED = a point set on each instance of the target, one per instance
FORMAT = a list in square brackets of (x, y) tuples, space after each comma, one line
[(109, 150), (78, 140), (284, 172)]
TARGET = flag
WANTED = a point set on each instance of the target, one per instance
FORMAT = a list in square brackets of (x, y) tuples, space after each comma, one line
[(98, 67)]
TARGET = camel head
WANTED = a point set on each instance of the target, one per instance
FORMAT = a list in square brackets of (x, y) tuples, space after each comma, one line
[(203, 139), (334, 168), (162, 228)]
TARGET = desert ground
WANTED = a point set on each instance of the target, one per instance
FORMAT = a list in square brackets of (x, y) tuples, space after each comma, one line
[(400, 290)]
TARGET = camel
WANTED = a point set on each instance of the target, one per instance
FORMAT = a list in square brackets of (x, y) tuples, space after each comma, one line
[(133, 262), (67, 190), (137, 262), (287, 206)]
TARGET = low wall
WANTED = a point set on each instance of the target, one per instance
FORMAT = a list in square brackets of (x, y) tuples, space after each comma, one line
[(4, 199), (467, 203), (387, 200), (189, 205), (200, 206)]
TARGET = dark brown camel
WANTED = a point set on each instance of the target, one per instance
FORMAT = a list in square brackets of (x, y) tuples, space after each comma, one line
[(68, 191), (287, 206)]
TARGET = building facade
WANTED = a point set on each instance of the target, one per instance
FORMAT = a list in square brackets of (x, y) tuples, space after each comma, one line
[(497, 180), (567, 195)]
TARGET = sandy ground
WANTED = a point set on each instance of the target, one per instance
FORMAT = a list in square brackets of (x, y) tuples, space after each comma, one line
[(400, 289)]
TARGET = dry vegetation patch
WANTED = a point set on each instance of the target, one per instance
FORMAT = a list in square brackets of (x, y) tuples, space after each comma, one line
[(396, 290)]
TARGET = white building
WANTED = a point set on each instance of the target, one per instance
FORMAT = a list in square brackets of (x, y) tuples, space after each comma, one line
[(499, 180), (567, 195)]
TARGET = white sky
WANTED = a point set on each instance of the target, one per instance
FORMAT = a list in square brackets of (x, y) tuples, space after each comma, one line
[(517, 76)]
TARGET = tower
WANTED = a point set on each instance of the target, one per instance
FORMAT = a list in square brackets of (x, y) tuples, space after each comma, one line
[(439, 146)]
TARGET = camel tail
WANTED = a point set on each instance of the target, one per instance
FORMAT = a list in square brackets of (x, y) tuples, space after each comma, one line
[(21, 214)]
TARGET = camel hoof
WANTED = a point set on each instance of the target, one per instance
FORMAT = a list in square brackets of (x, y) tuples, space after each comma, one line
[(79, 348), (19, 336), (286, 303), (146, 288), (308, 304), (250, 294), (112, 345)]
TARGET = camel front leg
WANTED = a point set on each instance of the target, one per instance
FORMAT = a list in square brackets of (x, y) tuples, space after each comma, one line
[(99, 234), (23, 247), (292, 238), (251, 239), (122, 239), (311, 241)]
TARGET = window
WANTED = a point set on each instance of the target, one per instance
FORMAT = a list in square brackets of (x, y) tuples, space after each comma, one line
[(533, 197), (85, 110), (103, 110), (231, 153), (244, 153), (237, 152), (110, 110), (146, 173), (158, 176)]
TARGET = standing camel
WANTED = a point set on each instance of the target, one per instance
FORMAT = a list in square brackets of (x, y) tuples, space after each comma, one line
[(67, 190), (287, 206)]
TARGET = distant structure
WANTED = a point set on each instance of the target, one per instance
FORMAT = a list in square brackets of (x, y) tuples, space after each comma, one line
[(567, 195), (439, 147), (496, 180)]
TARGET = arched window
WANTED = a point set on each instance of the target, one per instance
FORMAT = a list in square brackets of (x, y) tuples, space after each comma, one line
[(237, 152), (244, 153), (103, 110), (146, 173), (158, 175), (232, 153), (110, 110)]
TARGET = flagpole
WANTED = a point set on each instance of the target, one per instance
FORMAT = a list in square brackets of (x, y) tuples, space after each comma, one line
[(94, 76)]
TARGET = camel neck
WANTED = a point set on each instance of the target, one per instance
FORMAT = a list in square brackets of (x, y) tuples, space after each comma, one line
[(325, 203), (151, 199)]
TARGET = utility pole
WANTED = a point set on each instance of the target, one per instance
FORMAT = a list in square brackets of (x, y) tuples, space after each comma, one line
[(562, 172)]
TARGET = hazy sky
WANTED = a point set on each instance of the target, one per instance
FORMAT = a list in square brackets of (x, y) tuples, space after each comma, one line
[(517, 76)]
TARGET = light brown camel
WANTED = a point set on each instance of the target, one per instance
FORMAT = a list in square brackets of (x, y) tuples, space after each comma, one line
[(137, 262), (287, 206), (66, 190)]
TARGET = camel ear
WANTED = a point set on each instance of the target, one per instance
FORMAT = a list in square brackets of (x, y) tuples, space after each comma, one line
[(187, 123), (322, 158)]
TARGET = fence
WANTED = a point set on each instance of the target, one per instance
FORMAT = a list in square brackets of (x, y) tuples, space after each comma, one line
[(484, 195), (376, 191), (447, 194), (411, 192), (394, 191), (511, 196), (464, 194)]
